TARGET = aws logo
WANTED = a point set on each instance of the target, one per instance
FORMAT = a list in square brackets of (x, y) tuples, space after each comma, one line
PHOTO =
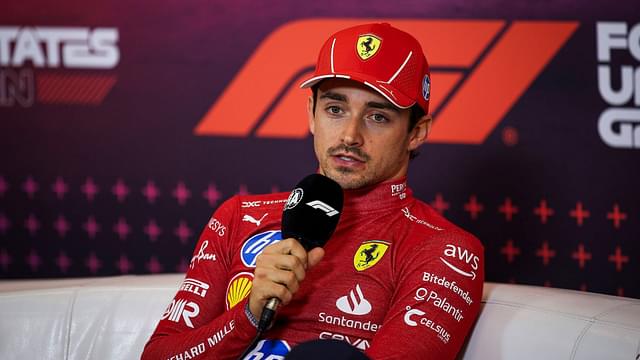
[(460, 254), (479, 70)]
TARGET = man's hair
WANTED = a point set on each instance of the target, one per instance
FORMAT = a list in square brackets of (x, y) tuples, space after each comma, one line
[(416, 112)]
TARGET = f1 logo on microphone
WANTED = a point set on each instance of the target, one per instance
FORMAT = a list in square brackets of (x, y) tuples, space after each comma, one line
[(328, 210)]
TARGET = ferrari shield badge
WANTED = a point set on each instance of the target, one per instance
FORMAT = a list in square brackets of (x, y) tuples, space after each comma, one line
[(369, 253), (367, 46)]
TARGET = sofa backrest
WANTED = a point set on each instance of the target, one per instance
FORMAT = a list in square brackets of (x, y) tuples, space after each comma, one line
[(112, 318)]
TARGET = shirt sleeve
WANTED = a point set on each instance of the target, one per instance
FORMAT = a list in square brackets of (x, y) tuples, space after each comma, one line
[(196, 324), (436, 301)]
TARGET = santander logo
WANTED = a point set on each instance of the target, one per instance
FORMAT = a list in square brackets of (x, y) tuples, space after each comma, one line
[(354, 303)]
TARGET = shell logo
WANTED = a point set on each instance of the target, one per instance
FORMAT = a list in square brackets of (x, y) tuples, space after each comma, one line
[(239, 288)]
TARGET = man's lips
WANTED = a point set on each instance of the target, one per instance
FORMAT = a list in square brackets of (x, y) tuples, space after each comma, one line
[(347, 157)]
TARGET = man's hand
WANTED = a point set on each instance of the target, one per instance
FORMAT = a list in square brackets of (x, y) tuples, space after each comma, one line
[(279, 270)]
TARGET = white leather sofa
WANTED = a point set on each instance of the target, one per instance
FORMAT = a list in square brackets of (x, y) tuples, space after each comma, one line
[(112, 318)]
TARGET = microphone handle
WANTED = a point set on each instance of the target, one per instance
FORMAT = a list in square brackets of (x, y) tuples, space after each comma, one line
[(268, 312)]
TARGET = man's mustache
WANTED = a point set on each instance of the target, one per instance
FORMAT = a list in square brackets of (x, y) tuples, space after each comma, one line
[(348, 149)]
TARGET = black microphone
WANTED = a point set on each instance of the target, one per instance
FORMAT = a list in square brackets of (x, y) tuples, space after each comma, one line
[(310, 216), (312, 211), (321, 349)]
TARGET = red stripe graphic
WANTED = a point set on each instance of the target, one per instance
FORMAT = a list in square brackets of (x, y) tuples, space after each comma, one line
[(68, 88)]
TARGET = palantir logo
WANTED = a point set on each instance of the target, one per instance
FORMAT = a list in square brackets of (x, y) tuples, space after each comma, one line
[(354, 303), (256, 244)]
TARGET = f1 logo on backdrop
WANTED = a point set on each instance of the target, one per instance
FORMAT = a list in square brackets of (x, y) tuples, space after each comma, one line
[(480, 68)]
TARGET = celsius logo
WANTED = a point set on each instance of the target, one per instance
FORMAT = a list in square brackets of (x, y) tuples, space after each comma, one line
[(59, 51), (256, 244), (618, 126), (354, 304), (459, 253), (509, 55), (410, 312), (413, 317)]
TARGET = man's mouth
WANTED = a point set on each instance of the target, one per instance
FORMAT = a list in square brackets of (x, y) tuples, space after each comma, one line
[(348, 157)]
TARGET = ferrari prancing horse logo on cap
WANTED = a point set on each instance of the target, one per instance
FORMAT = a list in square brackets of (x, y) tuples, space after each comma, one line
[(367, 46)]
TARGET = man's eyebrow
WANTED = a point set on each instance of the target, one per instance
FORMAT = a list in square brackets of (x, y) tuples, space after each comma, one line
[(374, 104), (383, 105), (333, 96)]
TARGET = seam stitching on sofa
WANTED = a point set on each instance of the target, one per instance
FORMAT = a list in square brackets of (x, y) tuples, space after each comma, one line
[(71, 310), (578, 341), (591, 319)]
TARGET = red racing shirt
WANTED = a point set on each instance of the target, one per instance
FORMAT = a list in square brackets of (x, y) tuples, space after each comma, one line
[(397, 281)]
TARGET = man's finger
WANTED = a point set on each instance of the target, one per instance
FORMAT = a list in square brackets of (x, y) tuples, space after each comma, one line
[(314, 256)]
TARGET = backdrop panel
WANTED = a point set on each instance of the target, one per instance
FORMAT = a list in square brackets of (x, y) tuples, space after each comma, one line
[(123, 125)]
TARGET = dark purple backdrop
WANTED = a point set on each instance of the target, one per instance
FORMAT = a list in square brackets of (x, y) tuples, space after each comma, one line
[(135, 127)]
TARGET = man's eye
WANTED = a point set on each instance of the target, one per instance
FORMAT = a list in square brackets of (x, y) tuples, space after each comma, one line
[(334, 110), (379, 118)]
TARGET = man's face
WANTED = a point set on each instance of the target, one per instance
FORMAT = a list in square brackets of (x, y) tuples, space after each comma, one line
[(360, 138)]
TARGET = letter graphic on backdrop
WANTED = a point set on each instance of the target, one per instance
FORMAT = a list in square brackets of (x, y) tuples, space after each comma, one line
[(57, 53), (619, 127)]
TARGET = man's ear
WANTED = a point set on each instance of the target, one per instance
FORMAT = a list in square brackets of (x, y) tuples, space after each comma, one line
[(420, 132), (311, 116)]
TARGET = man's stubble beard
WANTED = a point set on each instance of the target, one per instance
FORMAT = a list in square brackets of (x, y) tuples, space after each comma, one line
[(341, 175)]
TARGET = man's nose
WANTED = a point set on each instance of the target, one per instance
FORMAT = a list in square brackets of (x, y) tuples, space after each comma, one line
[(352, 131)]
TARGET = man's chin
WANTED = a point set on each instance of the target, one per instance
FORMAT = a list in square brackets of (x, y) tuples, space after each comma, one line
[(347, 178)]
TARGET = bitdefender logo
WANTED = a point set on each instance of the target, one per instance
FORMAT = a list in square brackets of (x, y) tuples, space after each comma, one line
[(67, 65)]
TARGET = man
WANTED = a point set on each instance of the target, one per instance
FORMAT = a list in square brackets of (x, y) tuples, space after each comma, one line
[(395, 280)]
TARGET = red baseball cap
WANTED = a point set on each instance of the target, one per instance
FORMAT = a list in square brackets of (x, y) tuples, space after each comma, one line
[(380, 56)]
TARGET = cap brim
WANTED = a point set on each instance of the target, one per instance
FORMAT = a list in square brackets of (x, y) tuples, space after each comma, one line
[(394, 96)]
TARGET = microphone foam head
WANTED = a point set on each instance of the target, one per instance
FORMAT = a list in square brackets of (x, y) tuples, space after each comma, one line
[(312, 211)]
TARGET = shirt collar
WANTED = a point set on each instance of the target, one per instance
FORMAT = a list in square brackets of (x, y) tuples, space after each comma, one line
[(384, 195)]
